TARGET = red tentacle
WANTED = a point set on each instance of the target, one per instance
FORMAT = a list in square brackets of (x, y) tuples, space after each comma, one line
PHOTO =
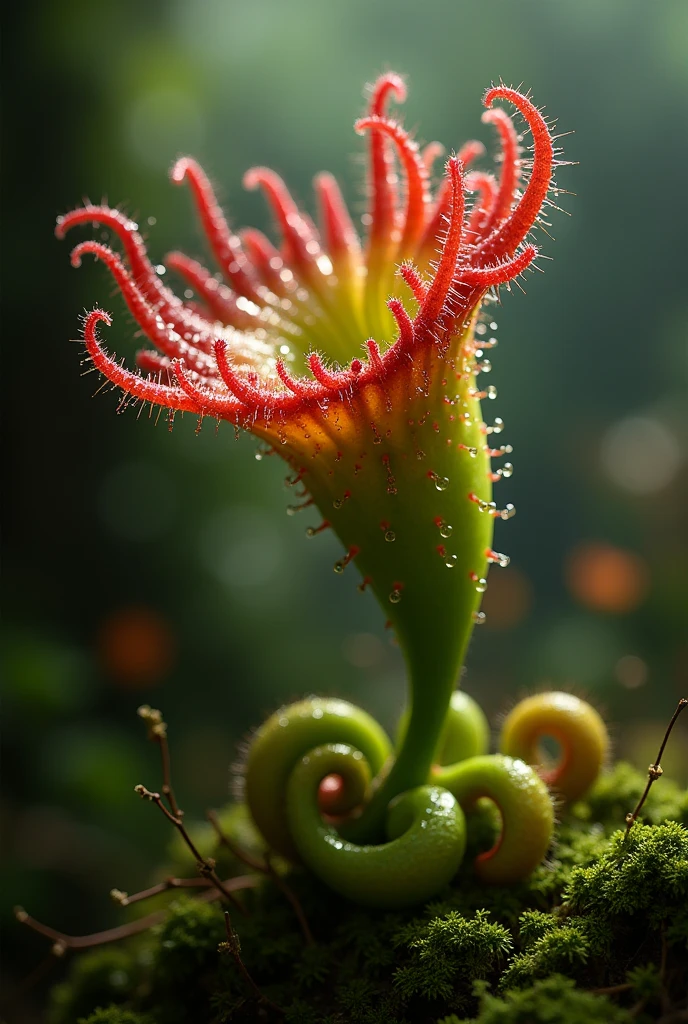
[(248, 394), (300, 387), (376, 361), (334, 381), (411, 275), (437, 293), (439, 213), (207, 401), (511, 167), (339, 233), (225, 245), (430, 153), (266, 259), (485, 277), (486, 186), (169, 306), (512, 232), (153, 362), (298, 232), (417, 191), (219, 299), (132, 383), (383, 199), (404, 323), (168, 341), (142, 269)]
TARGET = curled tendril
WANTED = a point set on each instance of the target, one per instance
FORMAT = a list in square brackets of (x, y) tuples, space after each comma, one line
[(314, 765)]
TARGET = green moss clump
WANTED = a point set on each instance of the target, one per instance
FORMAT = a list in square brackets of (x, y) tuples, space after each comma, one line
[(555, 1000), (449, 953), (604, 912), (115, 1015), (105, 977)]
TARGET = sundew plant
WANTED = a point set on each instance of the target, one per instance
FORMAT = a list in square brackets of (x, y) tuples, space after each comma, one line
[(361, 362)]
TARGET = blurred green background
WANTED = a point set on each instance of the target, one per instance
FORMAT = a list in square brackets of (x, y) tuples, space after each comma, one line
[(141, 566)]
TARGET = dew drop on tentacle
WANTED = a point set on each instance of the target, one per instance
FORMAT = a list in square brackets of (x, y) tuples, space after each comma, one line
[(441, 482), (479, 618)]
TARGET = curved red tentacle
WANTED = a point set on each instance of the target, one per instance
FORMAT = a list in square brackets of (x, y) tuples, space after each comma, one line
[(411, 275), (511, 233), (219, 299), (375, 359), (207, 401), (132, 383), (298, 232), (298, 386), (142, 269), (153, 362), (430, 153), (341, 239), (223, 243), (404, 323), (383, 197), (266, 259), (485, 277), (437, 293), (511, 166), (417, 191), (337, 381), (166, 303), (439, 213), (248, 393), (168, 341), (486, 186)]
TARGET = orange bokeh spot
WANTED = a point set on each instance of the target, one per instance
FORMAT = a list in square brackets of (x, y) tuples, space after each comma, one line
[(605, 578), (508, 598), (136, 646)]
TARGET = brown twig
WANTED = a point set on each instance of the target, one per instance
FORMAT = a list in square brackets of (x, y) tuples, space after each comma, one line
[(233, 947), (157, 732), (293, 900), (122, 931), (266, 867), (206, 865), (655, 771), (124, 899)]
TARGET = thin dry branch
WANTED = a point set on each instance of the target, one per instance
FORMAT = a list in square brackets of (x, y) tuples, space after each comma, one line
[(655, 771), (123, 931), (266, 867), (233, 947)]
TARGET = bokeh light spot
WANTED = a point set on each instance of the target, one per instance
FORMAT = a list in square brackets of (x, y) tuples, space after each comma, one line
[(605, 578), (508, 598), (631, 671), (136, 646), (640, 454), (364, 650)]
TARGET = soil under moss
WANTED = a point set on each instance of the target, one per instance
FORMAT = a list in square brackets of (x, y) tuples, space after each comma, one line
[(601, 914)]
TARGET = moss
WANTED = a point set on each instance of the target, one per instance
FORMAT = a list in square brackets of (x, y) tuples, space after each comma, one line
[(451, 952), (107, 976), (555, 1000), (603, 912), (115, 1015)]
